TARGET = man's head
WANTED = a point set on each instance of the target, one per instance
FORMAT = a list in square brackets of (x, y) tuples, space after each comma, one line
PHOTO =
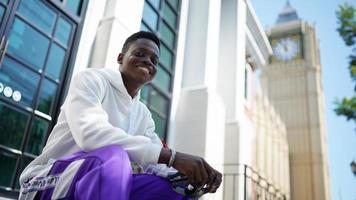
[(139, 58)]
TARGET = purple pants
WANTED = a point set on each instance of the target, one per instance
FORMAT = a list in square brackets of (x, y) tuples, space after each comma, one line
[(103, 174)]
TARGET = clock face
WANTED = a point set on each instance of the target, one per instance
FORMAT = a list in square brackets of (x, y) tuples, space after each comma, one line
[(286, 49)]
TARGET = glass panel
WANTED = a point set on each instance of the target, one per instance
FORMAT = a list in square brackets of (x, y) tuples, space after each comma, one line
[(47, 96), (159, 102), (162, 79), (144, 93), (144, 27), (155, 3), (4, 1), (21, 79), (8, 164), (150, 16), (166, 57), (30, 9), (37, 136), (63, 31), (174, 3), (169, 15), (24, 162), (74, 6), (55, 61), (160, 124), (28, 44), (167, 35), (12, 127), (2, 9)]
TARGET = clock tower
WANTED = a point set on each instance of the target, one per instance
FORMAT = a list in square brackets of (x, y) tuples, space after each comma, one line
[(292, 82)]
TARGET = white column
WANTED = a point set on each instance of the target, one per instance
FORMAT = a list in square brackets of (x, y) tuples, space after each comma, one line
[(200, 113), (230, 86), (121, 19)]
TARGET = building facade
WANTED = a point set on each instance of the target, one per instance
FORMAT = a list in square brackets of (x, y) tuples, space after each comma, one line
[(201, 99), (292, 82)]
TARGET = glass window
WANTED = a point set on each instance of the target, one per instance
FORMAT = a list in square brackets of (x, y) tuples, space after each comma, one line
[(8, 164), (37, 136), (144, 93), (174, 3), (167, 35), (74, 6), (155, 3), (21, 79), (30, 9), (2, 9), (160, 124), (12, 127), (55, 61), (47, 96), (23, 163), (28, 44), (169, 15), (166, 57), (158, 102), (162, 79), (150, 16), (144, 27), (4, 1), (63, 31)]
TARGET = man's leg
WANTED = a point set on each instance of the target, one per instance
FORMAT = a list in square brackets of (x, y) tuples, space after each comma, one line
[(104, 173), (152, 187)]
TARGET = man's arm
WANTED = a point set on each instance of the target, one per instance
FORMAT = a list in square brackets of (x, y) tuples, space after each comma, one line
[(89, 122)]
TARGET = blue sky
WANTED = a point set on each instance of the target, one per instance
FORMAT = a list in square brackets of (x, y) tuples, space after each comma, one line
[(336, 81)]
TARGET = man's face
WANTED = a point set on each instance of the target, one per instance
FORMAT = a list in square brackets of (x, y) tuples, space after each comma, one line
[(139, 64)]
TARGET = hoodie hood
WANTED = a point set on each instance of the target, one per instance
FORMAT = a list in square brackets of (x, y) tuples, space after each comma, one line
[(115, 78)]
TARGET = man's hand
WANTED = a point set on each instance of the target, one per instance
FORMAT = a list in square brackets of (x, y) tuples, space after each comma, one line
[(198, 171)]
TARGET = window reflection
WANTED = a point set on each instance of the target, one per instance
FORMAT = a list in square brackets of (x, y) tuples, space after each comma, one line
[(37, 136), (169, 15), (167, 35), (74, 6), (19, 78), (150, 16), (55, 61), (63, 31), (27, 44), (160, 124), (47, 96), (38, 14), (166, 57), (8, 164), (159, 102), (162, 79), (12, 127)]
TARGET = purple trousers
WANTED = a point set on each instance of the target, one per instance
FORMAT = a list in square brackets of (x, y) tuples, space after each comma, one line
[(103, 174)]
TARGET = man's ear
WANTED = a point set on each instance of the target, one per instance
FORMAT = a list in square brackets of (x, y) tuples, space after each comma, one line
[(120, 57)]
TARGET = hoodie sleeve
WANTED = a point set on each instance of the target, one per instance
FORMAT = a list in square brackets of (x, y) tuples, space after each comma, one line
[(150, 129), (90, 126)]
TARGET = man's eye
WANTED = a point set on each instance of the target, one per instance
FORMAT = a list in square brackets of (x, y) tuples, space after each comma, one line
[(155, 61), (139, 54)]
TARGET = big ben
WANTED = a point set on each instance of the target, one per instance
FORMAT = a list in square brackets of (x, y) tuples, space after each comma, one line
[(292, 82)]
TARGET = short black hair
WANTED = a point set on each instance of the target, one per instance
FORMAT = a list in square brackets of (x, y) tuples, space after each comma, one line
[(138, 35)]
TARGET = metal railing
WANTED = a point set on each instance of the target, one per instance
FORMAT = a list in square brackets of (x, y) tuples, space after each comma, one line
[(254, 186)]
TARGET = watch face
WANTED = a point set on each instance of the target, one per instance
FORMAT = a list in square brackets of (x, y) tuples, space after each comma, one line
[(286, 49)]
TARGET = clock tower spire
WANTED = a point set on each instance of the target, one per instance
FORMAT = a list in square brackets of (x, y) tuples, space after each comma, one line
[(292, 83)]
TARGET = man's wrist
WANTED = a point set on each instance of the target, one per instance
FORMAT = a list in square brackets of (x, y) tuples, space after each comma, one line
[(164, 156)]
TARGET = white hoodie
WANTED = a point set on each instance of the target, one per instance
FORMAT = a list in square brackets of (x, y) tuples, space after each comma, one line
[(98, 112)]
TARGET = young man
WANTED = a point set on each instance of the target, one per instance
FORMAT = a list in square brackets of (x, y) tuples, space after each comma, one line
[(102, 128)]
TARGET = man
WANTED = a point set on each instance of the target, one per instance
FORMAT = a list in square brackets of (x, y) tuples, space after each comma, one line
[(102, 128)]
